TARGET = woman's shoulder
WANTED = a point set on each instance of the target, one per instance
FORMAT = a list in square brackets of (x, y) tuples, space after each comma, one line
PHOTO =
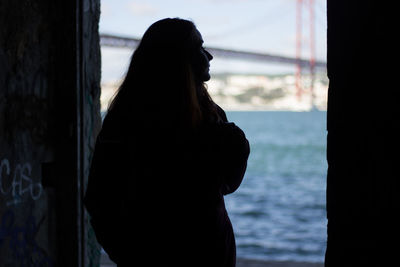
[(221, 113), (111, 130)]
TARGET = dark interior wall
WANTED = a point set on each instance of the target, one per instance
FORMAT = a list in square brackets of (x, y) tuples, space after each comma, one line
[(90, 119), (363, 133), (49, 118), (27, 132)]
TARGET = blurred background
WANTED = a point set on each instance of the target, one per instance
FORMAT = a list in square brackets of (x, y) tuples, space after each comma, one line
[(269, 74)]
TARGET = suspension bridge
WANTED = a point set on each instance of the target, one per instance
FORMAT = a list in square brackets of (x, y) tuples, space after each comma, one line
[(110, 40), (298, 61)]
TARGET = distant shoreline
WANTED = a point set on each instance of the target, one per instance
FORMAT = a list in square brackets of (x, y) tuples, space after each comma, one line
[(243, 92)]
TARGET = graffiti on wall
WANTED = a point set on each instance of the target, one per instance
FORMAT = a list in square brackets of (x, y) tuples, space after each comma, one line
[(18, 234), (16, 184)]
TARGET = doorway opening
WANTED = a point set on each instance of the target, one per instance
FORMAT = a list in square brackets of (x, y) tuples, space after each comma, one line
[(268, 74)]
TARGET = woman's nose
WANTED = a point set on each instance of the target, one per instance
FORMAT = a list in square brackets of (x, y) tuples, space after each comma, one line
[(210, 57)]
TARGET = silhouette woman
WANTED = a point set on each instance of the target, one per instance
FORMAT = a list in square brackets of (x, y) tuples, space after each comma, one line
[(165, 157)]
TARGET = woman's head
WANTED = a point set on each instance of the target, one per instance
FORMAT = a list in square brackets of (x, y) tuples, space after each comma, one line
[(170, 44), (200, 58), (167, 71)]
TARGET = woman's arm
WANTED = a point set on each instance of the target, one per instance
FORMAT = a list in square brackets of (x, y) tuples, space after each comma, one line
[(234, 152)]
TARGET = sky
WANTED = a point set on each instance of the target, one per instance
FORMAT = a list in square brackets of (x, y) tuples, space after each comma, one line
[(266, 26)]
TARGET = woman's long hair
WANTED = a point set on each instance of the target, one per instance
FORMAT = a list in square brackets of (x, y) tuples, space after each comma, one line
[(160, 84)]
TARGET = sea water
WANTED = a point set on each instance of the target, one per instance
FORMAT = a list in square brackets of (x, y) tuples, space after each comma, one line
[(278, 212)]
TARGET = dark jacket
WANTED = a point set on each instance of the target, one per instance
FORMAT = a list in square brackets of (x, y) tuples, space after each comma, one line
[(155, 194)]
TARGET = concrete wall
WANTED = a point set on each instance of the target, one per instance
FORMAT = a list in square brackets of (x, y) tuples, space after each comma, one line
[(363, 134), (49, 117)]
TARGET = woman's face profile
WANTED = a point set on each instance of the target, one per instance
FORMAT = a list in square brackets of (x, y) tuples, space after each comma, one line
[(201, 59)]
